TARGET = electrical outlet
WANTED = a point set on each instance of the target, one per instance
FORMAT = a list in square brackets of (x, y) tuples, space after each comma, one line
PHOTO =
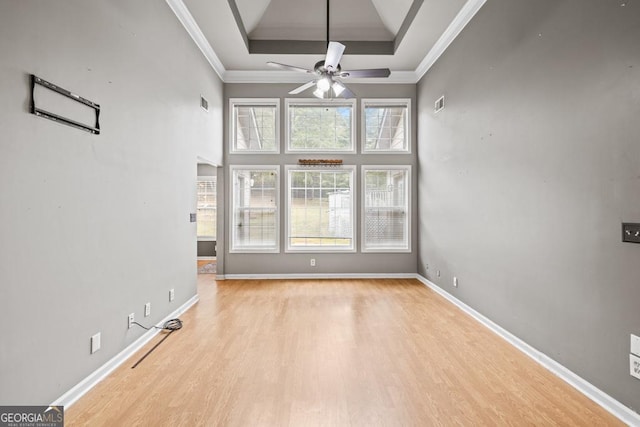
[(147, 309), (312, 262), (455, 282), (634, 366), (438, 273), (95, 343), (635, 345), (631, 232), (131, 319), (172, 294)]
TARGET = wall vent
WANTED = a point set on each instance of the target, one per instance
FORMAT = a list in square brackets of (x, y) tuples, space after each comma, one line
[(204, 103), (439, 105)]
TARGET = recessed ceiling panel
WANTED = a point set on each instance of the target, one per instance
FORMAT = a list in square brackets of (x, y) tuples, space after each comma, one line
[(217, 22), (392, 13), (307, 20), (251, 12)]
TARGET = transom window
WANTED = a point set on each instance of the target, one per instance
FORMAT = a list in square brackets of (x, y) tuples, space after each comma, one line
[(385, 216), (386, 125), (254, 125), (320, 215), (254, 209), (320, 126)]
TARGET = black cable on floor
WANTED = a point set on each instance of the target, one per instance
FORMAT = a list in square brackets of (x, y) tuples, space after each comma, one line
[(170, 325)]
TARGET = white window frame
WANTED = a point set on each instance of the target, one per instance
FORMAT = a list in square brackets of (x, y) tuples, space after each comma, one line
[(215, 180), (267, 102), (354, 195), (409, 219), (373, 102), (232, 248), (288, 102)]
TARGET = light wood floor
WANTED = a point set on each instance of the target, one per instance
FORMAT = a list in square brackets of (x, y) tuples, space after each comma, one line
[(331, 353)]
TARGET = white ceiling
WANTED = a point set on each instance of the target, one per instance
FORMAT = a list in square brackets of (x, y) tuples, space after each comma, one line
[(212, 25)]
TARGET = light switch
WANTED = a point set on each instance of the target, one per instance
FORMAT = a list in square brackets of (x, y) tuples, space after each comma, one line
[(95, 343)]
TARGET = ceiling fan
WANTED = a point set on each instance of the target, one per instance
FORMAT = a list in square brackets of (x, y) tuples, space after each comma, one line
[(328, 72)]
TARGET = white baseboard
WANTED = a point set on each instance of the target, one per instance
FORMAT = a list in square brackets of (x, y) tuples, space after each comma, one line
[(80, 389), (293, 276), (622, 412)]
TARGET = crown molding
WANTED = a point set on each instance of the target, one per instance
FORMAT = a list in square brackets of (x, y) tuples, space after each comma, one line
[(468, 11), (189, 23), (463, 17), (260, 76)]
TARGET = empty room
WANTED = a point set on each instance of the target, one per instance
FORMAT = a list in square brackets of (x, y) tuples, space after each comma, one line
[(320, 212)]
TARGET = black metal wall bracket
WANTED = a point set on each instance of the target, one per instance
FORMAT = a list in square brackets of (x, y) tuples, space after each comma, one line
[(35, 80), (631, 232)]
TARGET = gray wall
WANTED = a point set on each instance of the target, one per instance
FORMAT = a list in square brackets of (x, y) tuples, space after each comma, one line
[(206, 170), (527, 174), (93, 227), (289, 263)]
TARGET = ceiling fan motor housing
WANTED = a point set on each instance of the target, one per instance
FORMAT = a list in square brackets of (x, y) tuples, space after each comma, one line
[(320, 69)]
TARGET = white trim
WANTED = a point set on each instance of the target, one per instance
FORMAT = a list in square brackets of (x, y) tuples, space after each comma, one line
[(288, 102), (204, 160), (275, 248), (266, 76), (206, 238), (463, 17), (265, 102), (607, 402), (80, 389), (189, 23), (372, 102), (293, 276)]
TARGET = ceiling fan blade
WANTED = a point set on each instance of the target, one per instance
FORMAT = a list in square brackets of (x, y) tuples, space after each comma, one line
[(302, 88), (334, 54), (372, 72), (289, 67)]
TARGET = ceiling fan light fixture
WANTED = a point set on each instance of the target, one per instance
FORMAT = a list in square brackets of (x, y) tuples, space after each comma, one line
[(328, 69), (324, 84), (318, 93)]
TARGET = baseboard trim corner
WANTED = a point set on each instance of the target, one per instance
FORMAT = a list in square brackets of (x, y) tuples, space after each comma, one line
[(80, 389), (617, 409)]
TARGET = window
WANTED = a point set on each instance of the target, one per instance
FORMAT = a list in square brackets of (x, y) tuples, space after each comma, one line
[(254, 126), (206, 209), (320, 215), (320, 126), (386, 211), (386, 125), (254, 209)]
